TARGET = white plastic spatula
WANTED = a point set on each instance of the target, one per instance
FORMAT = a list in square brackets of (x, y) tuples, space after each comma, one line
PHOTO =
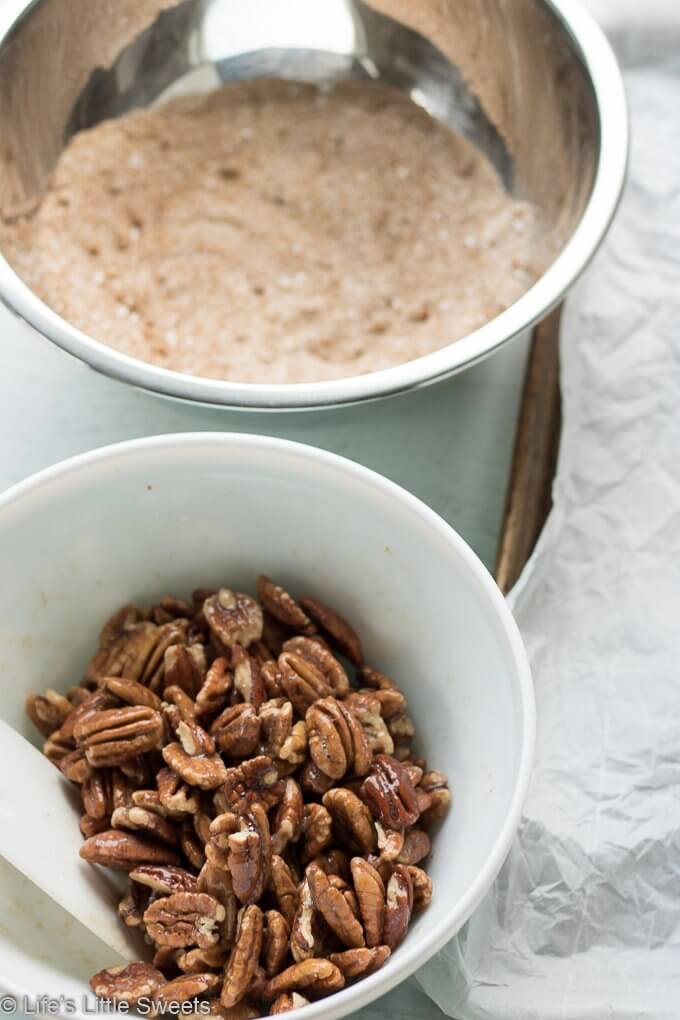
[(39, 836)]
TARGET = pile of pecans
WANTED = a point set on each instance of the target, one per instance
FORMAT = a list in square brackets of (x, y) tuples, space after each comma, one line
[(267, 808)]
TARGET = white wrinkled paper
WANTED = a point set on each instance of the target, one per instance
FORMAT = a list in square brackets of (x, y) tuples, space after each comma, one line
[(584, 920)]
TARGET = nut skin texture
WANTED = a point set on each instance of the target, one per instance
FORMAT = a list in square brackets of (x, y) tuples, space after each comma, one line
[(184, 919), (125, 851), (276, 942), (164, 879), (280, 604), (244, 956), (370, 892), (127, 983), (234, 618)]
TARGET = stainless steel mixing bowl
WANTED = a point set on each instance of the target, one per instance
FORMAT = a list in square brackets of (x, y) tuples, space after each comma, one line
[(532, 82)]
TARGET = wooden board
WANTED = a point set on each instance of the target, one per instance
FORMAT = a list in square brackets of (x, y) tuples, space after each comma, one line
[(534, 458)]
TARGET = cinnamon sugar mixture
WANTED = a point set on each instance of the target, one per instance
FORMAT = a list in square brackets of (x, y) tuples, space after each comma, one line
[(270, 232)]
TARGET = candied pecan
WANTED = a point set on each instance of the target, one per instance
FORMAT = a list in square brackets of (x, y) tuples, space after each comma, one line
[(398, 906), (333, 862), (150, 800), (284, 887), (330, 743), (237, 730), (213, 694), (217, 847), (390, 842), (275, 944), (197, 961), (167, 635), (354, 963), (75, 766), (250, 854), (302, 681), (317, 975), (165, 879), (289, 817), (316, 827), (422, 887), (336, 628), (194, 738), (254, 779), (417, 845), (56, 747), (244, 956), (121, 791), (113, 736), (127, 982), (233, 617), (352, 820), (286, 1002), (188, 986), (313, 780), (370, 891), (380, 681), (205, 771), (319, 655), (294, 747), (122, 620), (125, 850), (127, 654), (390, 699), (435, 786), (137, 819), (334, 908), (130, 691), (175, 797), (390, 794), (184, 919), (90, 826), (48, 711), (132, 905), (276, 722), (185, 666), (247, 679), (366, 708), (281, 605)]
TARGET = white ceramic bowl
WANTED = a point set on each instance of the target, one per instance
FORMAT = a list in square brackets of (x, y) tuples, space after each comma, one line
[(143, 518)]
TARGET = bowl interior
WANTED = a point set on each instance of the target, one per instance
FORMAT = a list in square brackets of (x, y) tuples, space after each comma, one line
[(159, 516)]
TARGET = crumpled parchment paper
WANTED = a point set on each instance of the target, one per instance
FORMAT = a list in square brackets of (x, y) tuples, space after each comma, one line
[(584, 920)]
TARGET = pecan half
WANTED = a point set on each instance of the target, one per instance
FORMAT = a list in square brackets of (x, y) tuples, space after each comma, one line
[(48, 711), (302, 681), (390, 794), (217, 883), (175, 797), (194, 738), (286, 1002), (281, 605), (125, 851), (370, 892), (294, 747), (137, 819), (188, 986), (75, 766), (422, 887), (334, 908), (398, 906), (244, 956), (352, 821), (237, 730), (434, 786), (316, 826), (250, 853), (289, 817), (275, 943), (114, 736), (319, 655), (302, 934), (164, 879), (417, 845), (185, 667), (390, 842), (276, 721), (184, 919), (127, 983), (130, 691), (198, 961), (213, 694), (94, 702), (367, 710), (317, 976), (233, 617), (284, 887), (247, 679), (205, 771), (354, 963), (336, 628)]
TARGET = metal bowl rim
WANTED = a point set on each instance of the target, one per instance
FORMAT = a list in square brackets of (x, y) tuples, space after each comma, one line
[(610, 101)]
